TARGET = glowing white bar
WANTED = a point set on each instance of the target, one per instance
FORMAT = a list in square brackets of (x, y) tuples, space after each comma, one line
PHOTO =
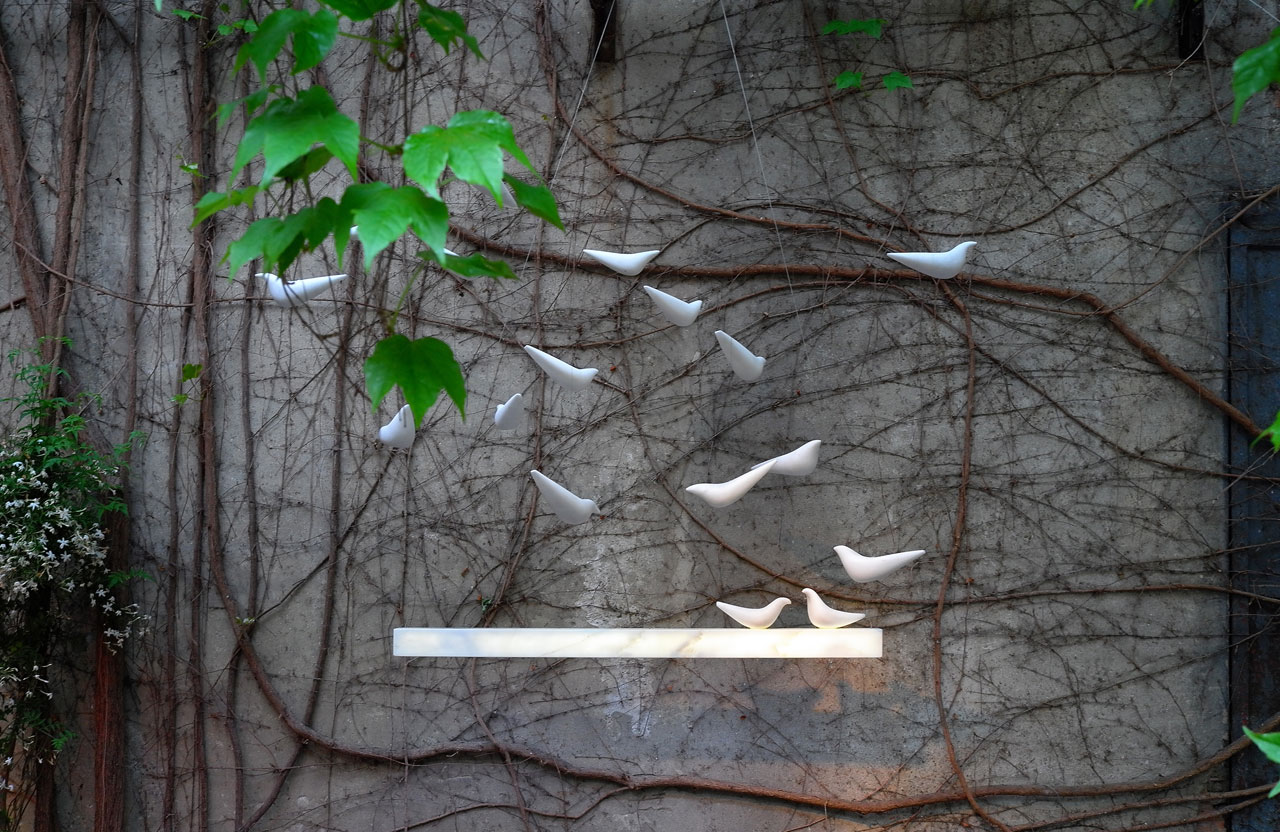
[(638, 643)]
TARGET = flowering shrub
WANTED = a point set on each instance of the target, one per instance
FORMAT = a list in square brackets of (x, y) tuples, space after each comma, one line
[(56, 490)]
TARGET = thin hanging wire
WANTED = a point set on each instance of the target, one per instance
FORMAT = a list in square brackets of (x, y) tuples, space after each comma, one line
[(586, 81), (755, 143), (1265, 11)]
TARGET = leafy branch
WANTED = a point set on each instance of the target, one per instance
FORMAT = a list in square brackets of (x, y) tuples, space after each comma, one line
[(872, 27), (296, 136)]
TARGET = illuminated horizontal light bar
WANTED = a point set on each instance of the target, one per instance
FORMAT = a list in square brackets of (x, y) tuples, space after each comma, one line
[(638, 643)]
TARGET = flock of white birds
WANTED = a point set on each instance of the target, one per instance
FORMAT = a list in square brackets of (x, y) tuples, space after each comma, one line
[(572, 509)]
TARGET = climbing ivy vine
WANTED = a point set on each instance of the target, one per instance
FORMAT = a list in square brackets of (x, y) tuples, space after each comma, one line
[(873, 28), (295, 136)]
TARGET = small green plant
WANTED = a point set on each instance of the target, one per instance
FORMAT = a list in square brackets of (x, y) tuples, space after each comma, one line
[(56, 493), (190, 372), (873, 28), (1268, 744)]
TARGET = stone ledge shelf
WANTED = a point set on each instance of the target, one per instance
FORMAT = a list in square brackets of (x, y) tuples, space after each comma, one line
[(638, 643)]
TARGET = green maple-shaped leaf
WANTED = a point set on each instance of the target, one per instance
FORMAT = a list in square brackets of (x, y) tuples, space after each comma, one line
[(1254, 71), (421, 369), (383, 213), (289, 128), (278, 241), (1268, 744), (896, 80), (444, 27), (846, 79), (536, 199), (1271, 434), (313, 37), (251, 244), (872, 26), (471, 146), (359, 9)]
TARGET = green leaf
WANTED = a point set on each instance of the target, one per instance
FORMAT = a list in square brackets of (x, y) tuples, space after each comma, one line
[(536, 199), (312, 36), (182, 13), (444, 27), (421, 369), (290, 127), (190, 371), (1268, 744), (384, 213), (251, 104), (179, 398), (115, 579), (303, 167), (475, 265), (279, 240), (872, 26), (471, 145), (1254, 71), (846, 79), (250, 244), (213, 202), (359, 9), (896, 80), (1272, 434)]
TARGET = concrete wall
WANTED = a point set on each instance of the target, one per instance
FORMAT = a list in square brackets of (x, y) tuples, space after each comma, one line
[(1065, 634)]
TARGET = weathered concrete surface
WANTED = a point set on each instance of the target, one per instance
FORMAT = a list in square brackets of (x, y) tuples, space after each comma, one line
[(1061, 502)]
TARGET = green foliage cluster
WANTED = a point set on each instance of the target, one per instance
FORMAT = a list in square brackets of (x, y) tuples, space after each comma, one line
[(297, 135), (871, 27), (56, 491)]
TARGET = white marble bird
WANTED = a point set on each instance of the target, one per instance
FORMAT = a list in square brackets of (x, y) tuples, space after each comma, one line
[(747, 365), (568, 506), (678, 312), (294, 293), (798, 463), (756, 619), (399, 432), (628, 264), (510, 414), (941, 265), (721, 494), (826, 618), (562, 372), (862, 568)]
